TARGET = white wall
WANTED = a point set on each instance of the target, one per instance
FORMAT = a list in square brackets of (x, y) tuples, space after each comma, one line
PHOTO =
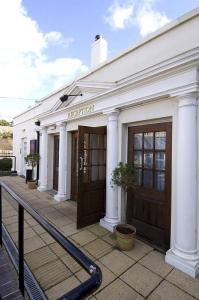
[(167, 45)]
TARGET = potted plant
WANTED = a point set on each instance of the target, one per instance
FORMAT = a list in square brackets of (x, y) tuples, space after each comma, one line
[(123, 176), (32, 160)]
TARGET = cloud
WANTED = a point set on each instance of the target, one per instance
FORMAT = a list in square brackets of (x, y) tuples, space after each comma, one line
[(57, 38), (119, 15), (25, 68), (139, 13)]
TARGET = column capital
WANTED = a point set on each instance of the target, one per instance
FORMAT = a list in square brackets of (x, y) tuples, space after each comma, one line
[(43, 128), (61, 125), (112, 114), (188, 99)]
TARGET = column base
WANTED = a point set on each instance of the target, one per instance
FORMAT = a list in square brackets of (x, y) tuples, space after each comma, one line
[(42, 188), (188, 266), (60, 198), (109, 224)]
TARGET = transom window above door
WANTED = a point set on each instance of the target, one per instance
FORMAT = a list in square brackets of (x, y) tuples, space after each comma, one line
[(148, 159)]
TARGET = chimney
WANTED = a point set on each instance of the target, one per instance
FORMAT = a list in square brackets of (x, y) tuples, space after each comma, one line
[(98, 51)]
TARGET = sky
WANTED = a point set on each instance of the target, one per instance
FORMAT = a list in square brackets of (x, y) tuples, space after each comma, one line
[(46, 43)]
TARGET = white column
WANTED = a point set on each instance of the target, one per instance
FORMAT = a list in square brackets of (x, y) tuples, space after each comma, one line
[(43, 183), (111, 219), (185, 255), (61, 195)]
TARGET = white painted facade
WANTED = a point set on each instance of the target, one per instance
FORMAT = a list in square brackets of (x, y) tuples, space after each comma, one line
[(155, 81)]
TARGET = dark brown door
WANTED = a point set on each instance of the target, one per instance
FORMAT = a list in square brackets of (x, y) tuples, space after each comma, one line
[(74, 166), (91, 175), (56, 163), (149, 205)]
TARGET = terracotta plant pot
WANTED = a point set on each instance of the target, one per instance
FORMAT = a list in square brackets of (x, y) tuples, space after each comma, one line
[(125, 236), (32, 184)]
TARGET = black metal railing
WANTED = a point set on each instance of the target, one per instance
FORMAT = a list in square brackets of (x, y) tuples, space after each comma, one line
[(81, 291)]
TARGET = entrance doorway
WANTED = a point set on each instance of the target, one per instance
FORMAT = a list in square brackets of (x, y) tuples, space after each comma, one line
[(56, 163), (88, 174), (149, 204), (74, 166), (23, 154)]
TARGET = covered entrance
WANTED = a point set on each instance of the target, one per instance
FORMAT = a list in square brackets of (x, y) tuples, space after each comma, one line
[(149, 205), (88, 174)]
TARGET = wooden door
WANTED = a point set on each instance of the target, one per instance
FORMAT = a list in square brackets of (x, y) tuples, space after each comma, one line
[(149, 204), (56, 163), (74, 166), (91, 175)]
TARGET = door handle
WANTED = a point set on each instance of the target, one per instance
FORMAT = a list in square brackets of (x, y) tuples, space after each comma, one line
[(81, 163)]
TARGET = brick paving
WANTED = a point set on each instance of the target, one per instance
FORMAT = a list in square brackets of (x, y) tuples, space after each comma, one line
[(140, 273)]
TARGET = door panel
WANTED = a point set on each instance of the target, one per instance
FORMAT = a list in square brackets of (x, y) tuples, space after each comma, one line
[(56, 163), (149, 152), (91, 175), (74, 166)]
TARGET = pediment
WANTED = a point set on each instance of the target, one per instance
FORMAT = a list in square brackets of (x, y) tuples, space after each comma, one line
[(88, 90)]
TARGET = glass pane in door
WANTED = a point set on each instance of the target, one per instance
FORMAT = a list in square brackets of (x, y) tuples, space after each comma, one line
[(138, 176), (148, 140), (160, 140), (138, 141), (160, 181), (160, 158), (138, 158), (148, 160)]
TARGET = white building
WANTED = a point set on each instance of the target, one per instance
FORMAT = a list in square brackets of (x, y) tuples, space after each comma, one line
[(141, 107)]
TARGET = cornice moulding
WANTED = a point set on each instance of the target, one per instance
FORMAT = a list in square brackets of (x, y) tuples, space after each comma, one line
[(169, 68)]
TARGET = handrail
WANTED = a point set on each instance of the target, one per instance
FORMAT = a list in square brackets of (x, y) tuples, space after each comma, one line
[(85, 288)]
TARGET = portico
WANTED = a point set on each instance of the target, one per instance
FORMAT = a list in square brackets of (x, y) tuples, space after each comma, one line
[(140, 107)]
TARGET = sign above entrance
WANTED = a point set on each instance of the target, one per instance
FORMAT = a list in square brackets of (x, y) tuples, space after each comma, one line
[(81, 111)]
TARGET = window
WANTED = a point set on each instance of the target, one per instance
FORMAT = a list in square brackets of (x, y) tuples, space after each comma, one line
[(33, 146)]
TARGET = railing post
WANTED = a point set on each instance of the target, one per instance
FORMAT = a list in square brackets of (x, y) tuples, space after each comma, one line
[(21, 248), (1, 216)]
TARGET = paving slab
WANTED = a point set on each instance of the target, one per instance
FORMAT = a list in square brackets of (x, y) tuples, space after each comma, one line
[(185, 282), (141, 279), (118, 290), (62, 288), (98, 230), (47, 238), (57, 249), (28, 233), (107, 276), (167, 291), (38, 229), (31, 222), (98, 248), (69, 229), (155, 261), (117, 262), (110, 238), (40, 257), (139, 250), (33, 243), (83, 237), (51, 274), (71, 263)]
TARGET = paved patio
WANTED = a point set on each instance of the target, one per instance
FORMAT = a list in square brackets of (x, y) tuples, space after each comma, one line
[(137, 274)]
